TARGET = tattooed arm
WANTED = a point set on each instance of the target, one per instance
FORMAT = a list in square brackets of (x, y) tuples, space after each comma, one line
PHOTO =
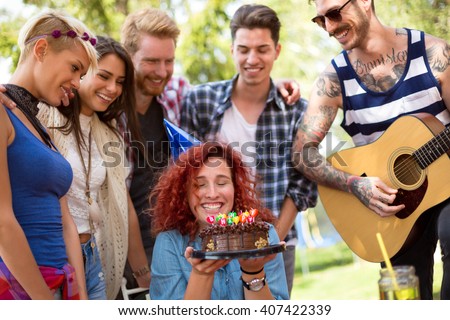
[(325, 100), (438, 53)]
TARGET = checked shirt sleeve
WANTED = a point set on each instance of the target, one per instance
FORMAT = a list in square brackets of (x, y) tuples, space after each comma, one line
[(302, 190), (188, 120)]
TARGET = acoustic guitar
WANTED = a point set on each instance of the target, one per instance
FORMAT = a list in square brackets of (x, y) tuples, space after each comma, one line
[(412, 156)]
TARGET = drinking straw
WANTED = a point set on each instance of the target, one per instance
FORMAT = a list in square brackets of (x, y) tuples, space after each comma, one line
[(387, 261)]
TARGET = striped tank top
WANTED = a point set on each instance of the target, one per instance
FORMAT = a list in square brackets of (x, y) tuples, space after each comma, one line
[(367, 114)]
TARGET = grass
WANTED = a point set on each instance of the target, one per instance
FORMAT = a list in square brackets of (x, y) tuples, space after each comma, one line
[(336, 274)]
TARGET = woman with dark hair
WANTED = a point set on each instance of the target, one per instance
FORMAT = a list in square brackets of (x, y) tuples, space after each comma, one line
[(207, 180), (86, 134)]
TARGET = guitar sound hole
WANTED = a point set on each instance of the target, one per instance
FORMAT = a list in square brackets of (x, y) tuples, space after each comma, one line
[(406, 170)]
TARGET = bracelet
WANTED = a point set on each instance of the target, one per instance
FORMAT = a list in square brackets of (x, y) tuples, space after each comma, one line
[(247, 272), (141, 272)]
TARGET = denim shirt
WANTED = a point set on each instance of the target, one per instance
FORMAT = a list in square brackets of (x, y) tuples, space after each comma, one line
[(171, 271)]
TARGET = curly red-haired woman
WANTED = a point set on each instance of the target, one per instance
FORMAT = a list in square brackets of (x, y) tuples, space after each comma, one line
[(206, 180)]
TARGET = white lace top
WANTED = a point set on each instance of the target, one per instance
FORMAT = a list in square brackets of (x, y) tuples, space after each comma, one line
[(112, 232), (76, 197)]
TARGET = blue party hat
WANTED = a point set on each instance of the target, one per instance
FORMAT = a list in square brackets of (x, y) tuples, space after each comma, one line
[(179, 139)]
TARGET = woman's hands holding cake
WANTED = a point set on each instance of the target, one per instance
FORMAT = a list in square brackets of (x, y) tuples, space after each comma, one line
[(202, 276), (252, 265), (204, 267)]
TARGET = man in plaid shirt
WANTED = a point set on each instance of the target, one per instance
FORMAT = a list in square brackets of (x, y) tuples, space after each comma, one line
[(248, 112)]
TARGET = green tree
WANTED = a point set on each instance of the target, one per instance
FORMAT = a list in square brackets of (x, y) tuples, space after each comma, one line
[(432, 16), (102, 16), (205, 49), (8, 36)]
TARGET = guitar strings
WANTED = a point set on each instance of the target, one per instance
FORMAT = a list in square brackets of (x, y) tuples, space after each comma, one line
[(409, 165)]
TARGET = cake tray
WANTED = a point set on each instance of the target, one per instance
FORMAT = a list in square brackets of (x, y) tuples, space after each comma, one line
[(253, 253)]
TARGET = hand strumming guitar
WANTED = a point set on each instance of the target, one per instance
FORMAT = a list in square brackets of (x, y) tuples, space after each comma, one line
[(374, 194)]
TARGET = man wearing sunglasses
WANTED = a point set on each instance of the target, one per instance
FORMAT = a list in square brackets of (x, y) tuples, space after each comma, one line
[(382, 74)]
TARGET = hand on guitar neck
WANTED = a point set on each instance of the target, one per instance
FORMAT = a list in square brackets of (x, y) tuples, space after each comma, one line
[(375, 195)]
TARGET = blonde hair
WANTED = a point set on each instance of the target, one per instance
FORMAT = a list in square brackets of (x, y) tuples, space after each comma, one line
[(150, 21), (49, 24)]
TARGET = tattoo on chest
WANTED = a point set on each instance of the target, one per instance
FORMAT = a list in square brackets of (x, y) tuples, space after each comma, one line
[(384, 72)]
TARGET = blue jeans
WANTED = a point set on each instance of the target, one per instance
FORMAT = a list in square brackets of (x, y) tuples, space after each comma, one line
[(95, 278)]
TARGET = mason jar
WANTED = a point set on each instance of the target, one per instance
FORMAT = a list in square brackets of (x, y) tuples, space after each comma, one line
[(403, 285)]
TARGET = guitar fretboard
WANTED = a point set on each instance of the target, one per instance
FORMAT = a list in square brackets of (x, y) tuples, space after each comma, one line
[(433, 149)]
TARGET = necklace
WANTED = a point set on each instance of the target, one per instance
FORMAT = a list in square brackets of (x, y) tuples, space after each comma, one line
[(94, 210), (27, 103)]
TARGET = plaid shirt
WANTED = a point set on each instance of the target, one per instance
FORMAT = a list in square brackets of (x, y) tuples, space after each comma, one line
[(202, 116), (171, 98)]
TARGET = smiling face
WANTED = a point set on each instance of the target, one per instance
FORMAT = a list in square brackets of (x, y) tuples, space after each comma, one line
[(352, 30), (153, 63), (98, 91), (58, 72), (254, 53), (212, 191)]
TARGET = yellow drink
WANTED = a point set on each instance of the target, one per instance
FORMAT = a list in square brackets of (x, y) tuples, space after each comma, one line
[(401, 294), (403, 286)]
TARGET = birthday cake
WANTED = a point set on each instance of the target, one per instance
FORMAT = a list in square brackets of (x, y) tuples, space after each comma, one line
[(235, 232)]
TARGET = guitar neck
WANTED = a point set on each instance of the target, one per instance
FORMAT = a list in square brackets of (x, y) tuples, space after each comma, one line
[(433, 149)]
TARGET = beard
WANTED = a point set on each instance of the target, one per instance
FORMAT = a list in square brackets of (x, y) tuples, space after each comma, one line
[(143, 85), (360, 28)]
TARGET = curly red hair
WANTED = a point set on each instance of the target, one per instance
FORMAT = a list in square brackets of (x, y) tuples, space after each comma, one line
[(170, 195)]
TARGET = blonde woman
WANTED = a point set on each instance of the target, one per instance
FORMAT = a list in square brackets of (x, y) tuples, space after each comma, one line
[(39, 253)]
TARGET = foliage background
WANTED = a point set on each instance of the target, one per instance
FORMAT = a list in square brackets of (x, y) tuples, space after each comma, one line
[(203, 50), (203, 54)]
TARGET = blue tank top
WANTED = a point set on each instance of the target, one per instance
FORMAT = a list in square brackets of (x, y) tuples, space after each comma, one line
[(39, 176), (367, 114)]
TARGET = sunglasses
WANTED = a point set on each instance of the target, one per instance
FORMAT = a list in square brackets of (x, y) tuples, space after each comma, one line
[(333, 15)]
